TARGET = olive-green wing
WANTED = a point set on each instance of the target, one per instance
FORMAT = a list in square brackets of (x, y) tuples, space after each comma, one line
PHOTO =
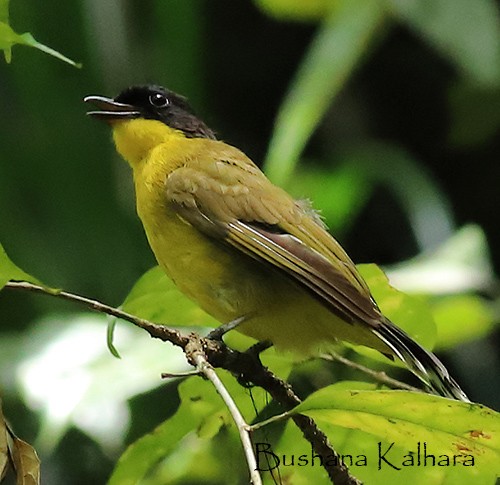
[(233, 201)]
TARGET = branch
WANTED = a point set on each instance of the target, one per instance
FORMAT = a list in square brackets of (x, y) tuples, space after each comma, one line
[(197, 356), (380, 376), (217, 354), (157, 331)]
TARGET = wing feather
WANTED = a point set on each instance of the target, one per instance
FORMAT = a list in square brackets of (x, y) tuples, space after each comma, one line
[(307, 267), (233, 201)]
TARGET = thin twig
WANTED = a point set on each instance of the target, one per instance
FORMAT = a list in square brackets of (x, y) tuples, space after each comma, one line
[(208, 371), (173, 375), (272, 419), (380, 376), (158, 331)]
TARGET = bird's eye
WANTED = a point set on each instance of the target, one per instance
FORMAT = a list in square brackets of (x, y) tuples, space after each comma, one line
[(158, 100)]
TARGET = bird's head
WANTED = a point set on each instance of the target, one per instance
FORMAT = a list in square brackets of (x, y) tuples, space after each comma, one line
[(145, 116)]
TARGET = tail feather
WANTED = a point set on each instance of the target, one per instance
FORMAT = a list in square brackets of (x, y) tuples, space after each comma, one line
[(425, 365)]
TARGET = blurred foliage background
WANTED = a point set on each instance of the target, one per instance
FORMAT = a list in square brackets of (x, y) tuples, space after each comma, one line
[(385, 113)]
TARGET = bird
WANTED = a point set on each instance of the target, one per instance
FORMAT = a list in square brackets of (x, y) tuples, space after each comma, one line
[(241, 247)]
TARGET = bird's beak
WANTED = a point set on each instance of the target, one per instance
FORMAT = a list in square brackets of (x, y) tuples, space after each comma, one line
[(110, 110)]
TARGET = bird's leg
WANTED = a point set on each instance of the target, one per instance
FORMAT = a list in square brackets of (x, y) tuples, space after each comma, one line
[(253, 352), (256, 349), (221, 330)]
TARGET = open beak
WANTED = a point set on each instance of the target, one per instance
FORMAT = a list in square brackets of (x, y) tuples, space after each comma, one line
[(111, 110)]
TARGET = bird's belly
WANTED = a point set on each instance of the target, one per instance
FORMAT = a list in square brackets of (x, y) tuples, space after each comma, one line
[(203, 269)]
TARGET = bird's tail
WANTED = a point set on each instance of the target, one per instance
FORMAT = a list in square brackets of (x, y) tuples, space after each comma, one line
[(425, 365)]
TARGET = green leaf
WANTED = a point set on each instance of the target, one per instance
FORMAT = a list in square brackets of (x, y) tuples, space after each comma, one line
[(408, 420), (198, 402), (340, 44), (9, 38), (297, 9), (155, 297), (411, 313), (9, 271), (110, 333), (462, 318), (466, 32)]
